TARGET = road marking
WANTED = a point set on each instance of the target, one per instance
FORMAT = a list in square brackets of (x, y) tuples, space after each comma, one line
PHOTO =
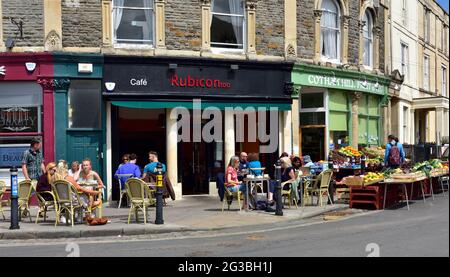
[(193, 236)]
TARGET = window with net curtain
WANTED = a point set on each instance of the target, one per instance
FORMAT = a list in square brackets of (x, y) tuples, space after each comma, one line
[(368, 39), (227, 24), (330, 30), (133, 21)]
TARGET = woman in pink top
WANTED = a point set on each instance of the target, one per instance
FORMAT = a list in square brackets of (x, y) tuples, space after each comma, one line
[(231, 177)]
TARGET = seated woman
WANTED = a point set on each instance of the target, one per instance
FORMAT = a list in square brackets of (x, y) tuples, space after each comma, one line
[(88, 176), (287, 175), (231, 178), (253, 162), (86, 195), (44, 182)]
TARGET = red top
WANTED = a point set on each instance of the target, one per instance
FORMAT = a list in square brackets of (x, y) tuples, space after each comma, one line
[(234, 176)]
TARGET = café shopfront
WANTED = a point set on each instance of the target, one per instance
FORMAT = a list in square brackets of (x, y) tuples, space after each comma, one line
[(184, 110)]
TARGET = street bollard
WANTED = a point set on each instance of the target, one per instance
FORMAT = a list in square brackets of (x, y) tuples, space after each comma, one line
[(159, 195), (279, 207), (14, 199), (363, 164)]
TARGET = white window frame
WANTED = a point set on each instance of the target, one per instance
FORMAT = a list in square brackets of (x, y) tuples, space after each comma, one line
[(369, 25), (221, 50), (404, 57), (426, 72), (339, 34), (405, 117), (133, 45), (444, 81)]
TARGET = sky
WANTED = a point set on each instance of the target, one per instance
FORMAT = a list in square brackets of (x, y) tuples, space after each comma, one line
[(444, 4)]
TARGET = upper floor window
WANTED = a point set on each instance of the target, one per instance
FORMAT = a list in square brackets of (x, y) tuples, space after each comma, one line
[(368, 40), (444, 81), (133, 21), (404, 13), (404, 56), (330, 30), (427, 25), (445, 39), (426, 73), (227, 24)]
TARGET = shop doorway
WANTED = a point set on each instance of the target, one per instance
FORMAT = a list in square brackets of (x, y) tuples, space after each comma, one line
[(197, 160), (137, 131), (84, 145), (313, 143)]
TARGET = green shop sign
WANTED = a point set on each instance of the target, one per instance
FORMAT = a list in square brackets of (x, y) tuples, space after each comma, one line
[(315, 80), (343, 79)]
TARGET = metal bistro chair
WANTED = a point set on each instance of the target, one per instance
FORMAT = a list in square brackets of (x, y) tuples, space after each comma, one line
[(321, 186), (444, 180), (140, 197), (65, 193), (123, 191), (257, 183), (2, 191), (25, 188)]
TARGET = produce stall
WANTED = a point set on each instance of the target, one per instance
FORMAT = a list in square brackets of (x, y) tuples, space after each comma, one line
[(373, 187)]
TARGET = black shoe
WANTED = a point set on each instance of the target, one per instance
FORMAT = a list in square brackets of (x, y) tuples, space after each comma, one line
[(270, 209)]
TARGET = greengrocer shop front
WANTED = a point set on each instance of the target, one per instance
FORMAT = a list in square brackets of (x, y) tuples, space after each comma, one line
[(336, 108)]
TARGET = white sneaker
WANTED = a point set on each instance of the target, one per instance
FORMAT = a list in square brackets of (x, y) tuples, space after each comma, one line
[(62, 220)]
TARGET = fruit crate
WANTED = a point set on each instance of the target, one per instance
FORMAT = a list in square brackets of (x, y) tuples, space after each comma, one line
[(372, 196)]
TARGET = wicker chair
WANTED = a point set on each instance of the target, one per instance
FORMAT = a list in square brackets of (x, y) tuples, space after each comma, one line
[(140, 197), (321, 186), (44, 204), (25, 188), (64, 191), (2, 191)]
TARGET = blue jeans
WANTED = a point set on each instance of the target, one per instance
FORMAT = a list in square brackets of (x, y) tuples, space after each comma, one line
[(235, 188)]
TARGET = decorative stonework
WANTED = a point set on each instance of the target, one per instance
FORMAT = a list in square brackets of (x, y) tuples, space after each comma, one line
[(290, 51), (61, 84), (46, 83), (205, 2), (251, 4), (317, 14), (296, 91), (345, 20), (52, 41)]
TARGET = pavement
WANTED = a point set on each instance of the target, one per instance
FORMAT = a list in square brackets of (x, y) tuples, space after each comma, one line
[(189, 214)]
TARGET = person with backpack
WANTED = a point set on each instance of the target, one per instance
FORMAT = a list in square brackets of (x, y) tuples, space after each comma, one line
[(394, 155)]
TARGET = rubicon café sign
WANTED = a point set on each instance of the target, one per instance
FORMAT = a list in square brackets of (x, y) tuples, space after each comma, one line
[(196, 82)]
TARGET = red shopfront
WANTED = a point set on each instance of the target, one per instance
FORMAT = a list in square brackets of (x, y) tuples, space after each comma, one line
[(26, 106)]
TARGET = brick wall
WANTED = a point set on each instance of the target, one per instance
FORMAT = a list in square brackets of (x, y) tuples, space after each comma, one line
[(270, 27), (31, 13), (305, 29), (81, 24), (183, 25), (380, 24)]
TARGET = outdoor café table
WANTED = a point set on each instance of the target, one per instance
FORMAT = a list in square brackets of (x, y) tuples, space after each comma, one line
[(250, 182), (388, 182), (93, 186)]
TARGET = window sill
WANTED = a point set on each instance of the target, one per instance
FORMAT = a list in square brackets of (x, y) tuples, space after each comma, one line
[(133, 46), (226, 51), (335, 62)]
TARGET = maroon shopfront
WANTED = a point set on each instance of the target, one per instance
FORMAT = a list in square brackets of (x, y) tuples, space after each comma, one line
[(26, 106)]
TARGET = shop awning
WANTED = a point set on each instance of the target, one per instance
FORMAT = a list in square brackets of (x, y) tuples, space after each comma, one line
[(204, 104)]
